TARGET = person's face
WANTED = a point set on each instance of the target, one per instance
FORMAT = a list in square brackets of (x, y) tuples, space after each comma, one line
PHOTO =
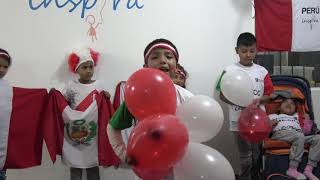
[(4, 66), (179, 80), (246, 54), (86, 70), (162, 59), (288, 107)]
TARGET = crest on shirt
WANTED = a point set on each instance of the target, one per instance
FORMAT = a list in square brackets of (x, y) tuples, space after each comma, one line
[(81, 132)]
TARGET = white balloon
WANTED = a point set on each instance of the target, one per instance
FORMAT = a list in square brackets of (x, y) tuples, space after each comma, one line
[(203, 163), (237, 86), (203, 117)]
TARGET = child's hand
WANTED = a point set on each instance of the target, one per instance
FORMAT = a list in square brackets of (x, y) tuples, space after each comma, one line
[(256, 102), (262, 100), (107, 94), (130, 161), (52, 89), (274, 122)]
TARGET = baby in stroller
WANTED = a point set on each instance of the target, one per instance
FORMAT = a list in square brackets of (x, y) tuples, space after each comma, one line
[(294, 128)]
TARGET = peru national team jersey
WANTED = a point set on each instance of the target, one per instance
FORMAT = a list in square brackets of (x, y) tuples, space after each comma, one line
[(262, 86)]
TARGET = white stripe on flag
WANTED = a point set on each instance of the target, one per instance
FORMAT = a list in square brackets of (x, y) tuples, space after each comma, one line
[(80, 155), (6, 94), (305, 25)]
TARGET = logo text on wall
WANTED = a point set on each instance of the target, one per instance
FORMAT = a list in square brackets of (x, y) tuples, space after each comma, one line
[(84, 5)]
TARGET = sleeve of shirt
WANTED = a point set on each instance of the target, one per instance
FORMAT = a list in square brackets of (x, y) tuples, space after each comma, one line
[(122, 118), (218, 88), (268, 86)]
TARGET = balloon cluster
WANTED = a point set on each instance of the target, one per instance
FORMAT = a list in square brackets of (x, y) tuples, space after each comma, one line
[(159, 143)]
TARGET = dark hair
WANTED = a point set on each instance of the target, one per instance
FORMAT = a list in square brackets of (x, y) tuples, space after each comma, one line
[(159, 41), (246, 39), (180, 67), (6, 56)]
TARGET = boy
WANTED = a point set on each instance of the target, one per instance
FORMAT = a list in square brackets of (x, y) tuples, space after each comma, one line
[(79, 155), (286, 127), (181, 76), (159, 54), (249, 153)]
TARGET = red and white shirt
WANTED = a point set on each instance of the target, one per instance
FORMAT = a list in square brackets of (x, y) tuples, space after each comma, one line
[(81, 97)]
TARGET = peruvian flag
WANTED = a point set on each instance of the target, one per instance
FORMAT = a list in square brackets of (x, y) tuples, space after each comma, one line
[(119, 95), (21, 117), (287, 25), (72, 133), (117, 101)]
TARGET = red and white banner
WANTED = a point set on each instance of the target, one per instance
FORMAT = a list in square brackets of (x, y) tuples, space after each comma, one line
[(287, 25), (79, 135), (21, 117)]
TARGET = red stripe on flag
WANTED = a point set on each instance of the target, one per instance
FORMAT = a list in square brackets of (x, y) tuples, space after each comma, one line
[(25, 132), (273, 23), (117, 94), (87, 101), (53, 124)]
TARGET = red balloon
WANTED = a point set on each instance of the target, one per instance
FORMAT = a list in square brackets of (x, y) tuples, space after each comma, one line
[(151, 174), (149, 92), (157, 142), (254, 124)]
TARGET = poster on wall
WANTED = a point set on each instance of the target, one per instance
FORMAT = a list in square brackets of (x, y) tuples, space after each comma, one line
[(292, 25), (85, 6)]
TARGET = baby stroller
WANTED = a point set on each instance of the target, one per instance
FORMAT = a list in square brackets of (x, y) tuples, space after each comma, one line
[(276, 153)]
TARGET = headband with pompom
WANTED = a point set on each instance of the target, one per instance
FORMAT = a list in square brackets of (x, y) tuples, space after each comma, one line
[(76, 58)]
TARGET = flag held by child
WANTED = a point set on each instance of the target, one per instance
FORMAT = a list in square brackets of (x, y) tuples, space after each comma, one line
[(69, 132), (21, 137)]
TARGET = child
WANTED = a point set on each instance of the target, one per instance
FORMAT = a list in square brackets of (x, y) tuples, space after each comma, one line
[(180, 76), (249, 153), (287, 128), (159, 54), (5, 62), (77, 93)]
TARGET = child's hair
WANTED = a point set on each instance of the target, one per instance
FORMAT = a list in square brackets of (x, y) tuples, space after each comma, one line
[(161, 43), (246, 39), (4, 54), (295, 101), (181, 68)]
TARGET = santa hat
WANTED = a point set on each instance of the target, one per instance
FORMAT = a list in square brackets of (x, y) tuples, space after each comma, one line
[(76, 58)]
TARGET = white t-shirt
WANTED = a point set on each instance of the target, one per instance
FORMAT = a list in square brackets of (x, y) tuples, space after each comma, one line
[(77, 153), (286, 122), (257, 74), (75, 92), (182, 94)]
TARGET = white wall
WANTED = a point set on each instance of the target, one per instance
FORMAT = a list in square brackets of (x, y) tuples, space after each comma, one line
[(204, 31)]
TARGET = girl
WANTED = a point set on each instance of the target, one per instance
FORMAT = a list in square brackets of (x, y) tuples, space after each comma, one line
[(5, 62)]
